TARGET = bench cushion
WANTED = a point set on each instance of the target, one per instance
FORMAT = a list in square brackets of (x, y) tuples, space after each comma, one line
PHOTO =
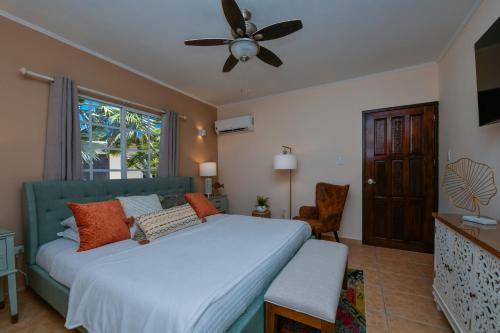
[(312, 281)]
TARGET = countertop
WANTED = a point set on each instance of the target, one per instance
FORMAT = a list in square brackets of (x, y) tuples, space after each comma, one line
[(487, 237)]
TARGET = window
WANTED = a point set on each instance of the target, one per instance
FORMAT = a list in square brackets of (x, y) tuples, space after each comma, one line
[(118, 142)]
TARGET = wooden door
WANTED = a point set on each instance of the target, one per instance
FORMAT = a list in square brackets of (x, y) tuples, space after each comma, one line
[(400, 176)]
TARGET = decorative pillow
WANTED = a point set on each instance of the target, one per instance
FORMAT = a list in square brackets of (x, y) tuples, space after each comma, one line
[(70, 222), (172, 200), (99, 223), (138, 205), (70, 234), (71, 231), (200, 204), (164, 222)]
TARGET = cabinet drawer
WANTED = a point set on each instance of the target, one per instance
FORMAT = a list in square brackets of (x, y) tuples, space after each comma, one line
[(3, 255), (219, 203), (220, 208)]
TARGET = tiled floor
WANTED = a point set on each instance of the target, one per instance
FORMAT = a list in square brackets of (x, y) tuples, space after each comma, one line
[(397, 290)]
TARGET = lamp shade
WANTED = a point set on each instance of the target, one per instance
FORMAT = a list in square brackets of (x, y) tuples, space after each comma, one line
[(285, 162), (208, 169)]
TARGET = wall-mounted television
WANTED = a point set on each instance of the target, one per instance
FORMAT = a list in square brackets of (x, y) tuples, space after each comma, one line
[(488, 75)]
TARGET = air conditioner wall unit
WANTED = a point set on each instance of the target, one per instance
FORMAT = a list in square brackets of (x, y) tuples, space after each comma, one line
[(234, 125)]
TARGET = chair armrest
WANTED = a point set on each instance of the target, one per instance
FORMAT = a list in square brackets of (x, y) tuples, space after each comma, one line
[(309, 212)]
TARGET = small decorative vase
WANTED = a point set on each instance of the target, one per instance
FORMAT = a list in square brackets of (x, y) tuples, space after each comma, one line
[(261, 209)]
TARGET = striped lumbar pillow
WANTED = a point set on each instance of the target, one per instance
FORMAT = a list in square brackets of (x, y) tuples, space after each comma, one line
[(164, 222)]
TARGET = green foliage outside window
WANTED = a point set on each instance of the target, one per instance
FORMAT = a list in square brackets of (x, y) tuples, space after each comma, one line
[(101, 131)]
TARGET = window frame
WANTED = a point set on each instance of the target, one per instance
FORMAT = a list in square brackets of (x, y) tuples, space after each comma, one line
[(124, 149)]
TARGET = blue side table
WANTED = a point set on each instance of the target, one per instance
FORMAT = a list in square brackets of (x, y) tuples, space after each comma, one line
[(8, 268)]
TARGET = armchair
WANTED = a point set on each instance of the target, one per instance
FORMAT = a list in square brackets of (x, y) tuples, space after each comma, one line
[(327, 214)]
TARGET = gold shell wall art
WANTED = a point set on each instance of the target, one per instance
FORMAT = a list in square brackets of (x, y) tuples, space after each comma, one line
[(469, 184)]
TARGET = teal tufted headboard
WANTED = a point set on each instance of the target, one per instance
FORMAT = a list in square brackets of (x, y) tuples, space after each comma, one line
[(45, 203)]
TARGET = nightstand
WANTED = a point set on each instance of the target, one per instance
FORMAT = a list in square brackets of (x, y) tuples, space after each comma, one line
[(220, 202), (8, 268)]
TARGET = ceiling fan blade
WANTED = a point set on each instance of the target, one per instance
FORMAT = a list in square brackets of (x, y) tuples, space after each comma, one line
[(234, 16), (269, 57), (207, 42), (278, 30), (230, 63)]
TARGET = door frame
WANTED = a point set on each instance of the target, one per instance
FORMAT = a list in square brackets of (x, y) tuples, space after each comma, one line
[(436, 149)]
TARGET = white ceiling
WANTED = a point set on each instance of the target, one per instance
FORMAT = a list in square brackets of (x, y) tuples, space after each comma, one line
[(341, 39)]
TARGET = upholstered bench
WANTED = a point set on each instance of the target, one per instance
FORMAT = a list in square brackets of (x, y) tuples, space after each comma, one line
[(308, 289)]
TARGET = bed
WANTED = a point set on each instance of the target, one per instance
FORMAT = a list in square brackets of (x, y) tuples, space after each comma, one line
[(231, 261)]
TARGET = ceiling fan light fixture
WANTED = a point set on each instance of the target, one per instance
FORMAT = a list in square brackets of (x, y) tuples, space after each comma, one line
[(244, 49), (246, 37)]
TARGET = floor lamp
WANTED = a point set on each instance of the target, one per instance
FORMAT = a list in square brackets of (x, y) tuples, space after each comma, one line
[(286, 161)]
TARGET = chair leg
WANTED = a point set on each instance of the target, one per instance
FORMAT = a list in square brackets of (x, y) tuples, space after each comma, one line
[(336, 236)]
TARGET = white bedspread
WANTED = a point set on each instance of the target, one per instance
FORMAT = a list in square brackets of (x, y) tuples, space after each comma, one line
[(198, 280), (62, 261)]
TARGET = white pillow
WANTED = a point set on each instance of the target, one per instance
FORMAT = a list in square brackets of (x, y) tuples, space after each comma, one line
[(138, 205), (70, 234), (70, 222)]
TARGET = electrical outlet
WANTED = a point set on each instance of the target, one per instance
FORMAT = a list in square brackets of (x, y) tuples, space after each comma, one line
[(19, 250), (340, 160), (448, 156), (283, 213)]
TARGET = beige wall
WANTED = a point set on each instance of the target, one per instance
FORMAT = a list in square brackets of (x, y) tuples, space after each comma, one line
[(23, 109), (320, 123), (459, 130)]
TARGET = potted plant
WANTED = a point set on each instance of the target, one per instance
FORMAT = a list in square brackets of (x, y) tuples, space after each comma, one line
[(262, 204)]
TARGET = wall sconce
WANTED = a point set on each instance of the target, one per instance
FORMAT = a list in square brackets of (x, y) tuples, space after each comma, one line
[(202, 132)]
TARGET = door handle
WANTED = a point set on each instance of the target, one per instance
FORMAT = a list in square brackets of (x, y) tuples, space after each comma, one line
[(371, 182)]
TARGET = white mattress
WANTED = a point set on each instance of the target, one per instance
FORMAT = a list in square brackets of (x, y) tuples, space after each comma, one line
[(200, 279), (61, 260)]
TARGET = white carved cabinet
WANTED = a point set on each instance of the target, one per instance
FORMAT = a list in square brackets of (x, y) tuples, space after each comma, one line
[(466, 282)]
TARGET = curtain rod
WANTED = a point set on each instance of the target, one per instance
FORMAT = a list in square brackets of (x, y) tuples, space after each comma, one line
[(29, 74)]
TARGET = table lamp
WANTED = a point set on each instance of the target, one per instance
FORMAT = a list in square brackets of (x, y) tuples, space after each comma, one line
[(286, 161), (208, 170)]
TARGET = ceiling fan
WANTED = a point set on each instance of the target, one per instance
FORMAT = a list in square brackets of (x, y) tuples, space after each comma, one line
[(245, 44)]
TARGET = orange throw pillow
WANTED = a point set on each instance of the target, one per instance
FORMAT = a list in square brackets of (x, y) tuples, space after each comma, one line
[(200, 204), (99, 223)]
